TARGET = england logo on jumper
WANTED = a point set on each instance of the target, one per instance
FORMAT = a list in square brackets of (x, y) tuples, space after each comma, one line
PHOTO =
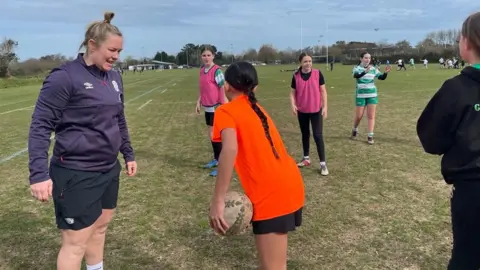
[(115, 86)]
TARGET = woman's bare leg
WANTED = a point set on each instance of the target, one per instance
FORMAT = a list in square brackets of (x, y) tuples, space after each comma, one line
[(359, 111), (96, 243), (371, 112), (74, 245)]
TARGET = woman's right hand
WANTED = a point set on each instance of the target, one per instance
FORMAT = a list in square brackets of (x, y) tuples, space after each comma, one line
[(294, 110), (42, 191)]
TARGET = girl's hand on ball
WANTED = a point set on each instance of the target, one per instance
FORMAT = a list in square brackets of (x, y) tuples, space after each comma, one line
[(217, 222)]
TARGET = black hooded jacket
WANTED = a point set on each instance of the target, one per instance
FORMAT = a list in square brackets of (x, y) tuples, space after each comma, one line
[(450, 126)]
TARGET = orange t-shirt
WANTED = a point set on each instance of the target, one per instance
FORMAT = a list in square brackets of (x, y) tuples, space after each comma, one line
[(274, 186)]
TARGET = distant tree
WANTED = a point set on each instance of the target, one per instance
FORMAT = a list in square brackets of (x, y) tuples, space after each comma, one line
[(250, 55), (267, 53), (436, 44), (7, 55), (189, 54), (164, 57)]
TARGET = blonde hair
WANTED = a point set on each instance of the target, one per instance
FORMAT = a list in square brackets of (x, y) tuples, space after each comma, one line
[(99, 30)]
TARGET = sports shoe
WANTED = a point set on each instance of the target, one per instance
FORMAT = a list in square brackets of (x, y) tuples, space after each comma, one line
[(304, 163), (211, 164), (213, 173), (354, 134), (370, 140), (324, 170)]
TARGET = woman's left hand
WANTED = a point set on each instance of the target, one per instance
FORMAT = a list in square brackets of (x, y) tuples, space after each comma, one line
[(131, 168)]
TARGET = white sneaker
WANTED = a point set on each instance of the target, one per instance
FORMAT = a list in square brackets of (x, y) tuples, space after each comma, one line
[(324, 170)]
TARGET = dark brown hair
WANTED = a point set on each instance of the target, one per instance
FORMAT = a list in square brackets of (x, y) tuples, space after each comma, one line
[(243, 77), (208, 48), (300, 58), (99, 30), (471, 31)]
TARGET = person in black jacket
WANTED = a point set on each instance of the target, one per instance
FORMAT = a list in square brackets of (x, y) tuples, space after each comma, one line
[(450, 126)]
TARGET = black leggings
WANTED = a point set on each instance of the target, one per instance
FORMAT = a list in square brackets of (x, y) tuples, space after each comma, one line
[(465, 210), (316, 119)]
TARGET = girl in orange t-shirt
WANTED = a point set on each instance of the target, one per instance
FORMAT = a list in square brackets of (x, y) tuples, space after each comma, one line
[(269, 175)]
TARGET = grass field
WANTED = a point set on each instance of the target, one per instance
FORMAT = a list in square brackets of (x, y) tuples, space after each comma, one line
[(383, 206)]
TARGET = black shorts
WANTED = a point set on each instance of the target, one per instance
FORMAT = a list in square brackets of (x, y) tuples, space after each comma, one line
[(209, 116), (282, 224), (80, 196)]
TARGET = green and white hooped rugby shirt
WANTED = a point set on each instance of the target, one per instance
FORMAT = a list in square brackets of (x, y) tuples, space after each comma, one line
[(365, 87)]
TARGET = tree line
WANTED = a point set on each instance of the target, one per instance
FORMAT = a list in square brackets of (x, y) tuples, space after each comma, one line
[(436, 44)]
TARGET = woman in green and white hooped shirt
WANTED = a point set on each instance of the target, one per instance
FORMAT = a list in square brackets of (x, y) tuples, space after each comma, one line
[(366, 93)]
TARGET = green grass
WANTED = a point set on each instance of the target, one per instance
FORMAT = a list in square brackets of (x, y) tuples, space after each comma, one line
[(20, 81), (382, 207)]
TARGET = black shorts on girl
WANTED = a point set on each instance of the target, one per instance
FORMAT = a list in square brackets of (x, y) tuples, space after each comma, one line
[(281, 224), (210, 116), (80, 196)]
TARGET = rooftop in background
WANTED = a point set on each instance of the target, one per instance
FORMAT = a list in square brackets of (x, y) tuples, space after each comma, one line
[(162, 63)]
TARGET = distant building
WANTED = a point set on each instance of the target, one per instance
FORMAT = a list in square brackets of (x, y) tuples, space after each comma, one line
[(164, 65)]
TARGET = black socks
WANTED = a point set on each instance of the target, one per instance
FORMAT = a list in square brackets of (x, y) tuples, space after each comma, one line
[(217, 148)]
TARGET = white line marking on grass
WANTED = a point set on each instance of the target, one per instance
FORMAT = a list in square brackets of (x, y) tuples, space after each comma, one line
[(18, 153), (174, 84), (148, 92), (16, 110), (164, 90), (144, 104), (13, 103)]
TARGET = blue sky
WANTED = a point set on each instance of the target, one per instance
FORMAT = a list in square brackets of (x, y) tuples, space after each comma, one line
[(51, 26)]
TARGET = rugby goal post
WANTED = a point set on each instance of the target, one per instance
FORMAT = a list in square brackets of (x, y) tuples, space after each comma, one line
[(322, 59)]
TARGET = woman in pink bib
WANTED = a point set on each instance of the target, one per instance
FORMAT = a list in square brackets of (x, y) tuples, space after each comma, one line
[(211, 96), (309, 103)]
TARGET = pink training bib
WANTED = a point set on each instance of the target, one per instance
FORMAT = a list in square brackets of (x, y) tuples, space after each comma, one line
[(210, 93), (307, 93)]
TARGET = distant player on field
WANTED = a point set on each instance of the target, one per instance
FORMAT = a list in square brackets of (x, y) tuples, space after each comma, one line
[(211, 96), (309, 103), (366, 94), (425, 63)]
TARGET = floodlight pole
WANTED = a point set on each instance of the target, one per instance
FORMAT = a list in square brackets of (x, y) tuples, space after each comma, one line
[(320, 44), (289, 12), (301, 35), (326, 40)]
